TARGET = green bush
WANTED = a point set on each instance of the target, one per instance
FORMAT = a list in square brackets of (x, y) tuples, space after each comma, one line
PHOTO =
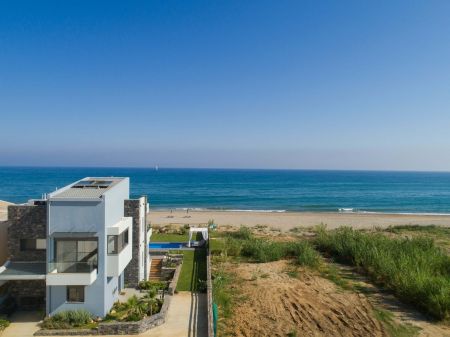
[(243, 233), (135, 309), (148, 285), (262, 250), (415, 269), (303, 252), (68, 319), (3, 324)]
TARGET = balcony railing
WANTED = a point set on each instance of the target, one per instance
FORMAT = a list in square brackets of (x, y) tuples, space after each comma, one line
[(71, 267)]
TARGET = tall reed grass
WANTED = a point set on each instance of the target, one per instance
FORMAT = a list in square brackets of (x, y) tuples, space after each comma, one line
[(243, 243), (415, 269)]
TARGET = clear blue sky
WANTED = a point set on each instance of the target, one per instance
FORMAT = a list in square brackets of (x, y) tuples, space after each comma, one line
[(266, 84)]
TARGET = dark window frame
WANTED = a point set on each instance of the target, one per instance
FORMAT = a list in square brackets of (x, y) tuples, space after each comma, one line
[(55, 253), (81, 292), (25, 248), (121, 241)]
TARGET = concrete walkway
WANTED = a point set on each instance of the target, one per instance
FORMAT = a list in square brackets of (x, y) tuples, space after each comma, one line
[(187, 317), (23, 324)]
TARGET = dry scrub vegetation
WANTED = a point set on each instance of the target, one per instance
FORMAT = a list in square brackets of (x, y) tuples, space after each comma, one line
[(288, 285)]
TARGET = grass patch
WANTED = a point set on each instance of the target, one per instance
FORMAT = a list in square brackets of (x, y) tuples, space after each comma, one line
[(415, 269), (431, 229), (193, 272), (395, 329), (163, 237)]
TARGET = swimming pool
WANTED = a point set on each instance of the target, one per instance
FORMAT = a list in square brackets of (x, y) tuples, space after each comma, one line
[(167, 245)]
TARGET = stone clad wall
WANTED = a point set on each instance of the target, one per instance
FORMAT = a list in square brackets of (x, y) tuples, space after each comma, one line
[(34, 289), (132, 270), (26, 222)]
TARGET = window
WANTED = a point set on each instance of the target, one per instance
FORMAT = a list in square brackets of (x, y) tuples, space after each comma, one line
[(32, 244), (75, 255), (116, 243), (75, 294)]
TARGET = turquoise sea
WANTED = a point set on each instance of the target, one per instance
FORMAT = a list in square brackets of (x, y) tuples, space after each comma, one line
[(247, 190)]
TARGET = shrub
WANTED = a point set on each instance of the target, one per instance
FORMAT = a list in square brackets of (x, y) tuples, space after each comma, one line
[(3, 324), (243, 233), (135, 309), (67, 319), (148, 285), (303, 252), (415, 269), (262, 250)]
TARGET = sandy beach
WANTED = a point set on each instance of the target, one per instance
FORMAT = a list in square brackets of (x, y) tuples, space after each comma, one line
[(287, 220), (4, 210), (283, 221)]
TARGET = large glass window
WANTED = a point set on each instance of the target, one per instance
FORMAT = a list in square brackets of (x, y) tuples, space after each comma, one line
[(75, 294), (116, 243), (76, 255)]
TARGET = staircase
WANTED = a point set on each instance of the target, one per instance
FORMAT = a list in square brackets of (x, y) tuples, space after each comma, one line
[(155, 269)]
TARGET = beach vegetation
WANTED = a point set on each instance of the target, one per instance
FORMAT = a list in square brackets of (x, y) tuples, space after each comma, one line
[(243, 243), (414, 269), (395, 329)]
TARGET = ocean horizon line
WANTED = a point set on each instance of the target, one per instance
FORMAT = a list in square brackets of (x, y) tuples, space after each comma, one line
[(158, 168)]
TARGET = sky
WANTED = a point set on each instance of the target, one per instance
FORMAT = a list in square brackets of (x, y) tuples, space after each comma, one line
[(226, 84)]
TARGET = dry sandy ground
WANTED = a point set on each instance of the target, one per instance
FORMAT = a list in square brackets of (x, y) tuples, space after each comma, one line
[(276, 304), (285, 221), (4, 209)]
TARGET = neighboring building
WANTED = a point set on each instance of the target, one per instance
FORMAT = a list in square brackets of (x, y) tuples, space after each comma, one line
[(77, 247)]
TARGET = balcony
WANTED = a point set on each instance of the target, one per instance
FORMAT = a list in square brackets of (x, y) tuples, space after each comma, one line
[(119, 247), (71, 273)]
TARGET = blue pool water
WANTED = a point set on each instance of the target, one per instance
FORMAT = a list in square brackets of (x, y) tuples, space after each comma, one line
[(167, 245), (247, 190)]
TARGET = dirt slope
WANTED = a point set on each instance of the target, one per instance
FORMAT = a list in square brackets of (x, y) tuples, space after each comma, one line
[(276, 304)]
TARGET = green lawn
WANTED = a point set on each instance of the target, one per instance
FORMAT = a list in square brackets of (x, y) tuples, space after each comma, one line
[(193, 271), (158, 237)]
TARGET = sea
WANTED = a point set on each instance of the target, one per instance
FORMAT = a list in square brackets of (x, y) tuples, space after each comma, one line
[(251, 190)]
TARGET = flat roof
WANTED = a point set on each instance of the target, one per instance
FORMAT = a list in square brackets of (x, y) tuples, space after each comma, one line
[(86, 188), (24, 271)]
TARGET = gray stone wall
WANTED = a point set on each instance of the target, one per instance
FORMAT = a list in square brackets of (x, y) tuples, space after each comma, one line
[(28, 289), (26, 222), (131, 209)]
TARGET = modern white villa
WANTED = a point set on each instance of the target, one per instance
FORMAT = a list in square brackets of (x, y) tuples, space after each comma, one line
[(77, 247)]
